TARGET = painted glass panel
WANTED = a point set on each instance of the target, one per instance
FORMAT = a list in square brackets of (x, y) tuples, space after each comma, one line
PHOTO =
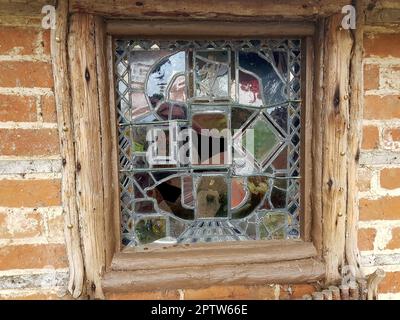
[(209, 140)]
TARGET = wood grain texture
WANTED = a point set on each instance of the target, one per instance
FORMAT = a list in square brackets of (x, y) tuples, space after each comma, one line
[(115, 214), (62, 96), (209, 256), (354, 140), (208, 29), (209, 9), (306, 160), (335, 121), (87, 133), (289, 272), (317, 129), (107, 151)]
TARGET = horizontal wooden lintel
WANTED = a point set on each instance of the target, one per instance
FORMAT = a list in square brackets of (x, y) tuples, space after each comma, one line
[(284, 272), (208, 29), (213, 254), (208, 9)]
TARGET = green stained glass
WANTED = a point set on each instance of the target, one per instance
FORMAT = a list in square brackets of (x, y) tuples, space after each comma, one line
[(272, 225), (150, 229), (262, 140)]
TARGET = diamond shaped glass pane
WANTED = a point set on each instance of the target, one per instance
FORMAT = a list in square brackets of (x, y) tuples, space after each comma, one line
[(261, 139)]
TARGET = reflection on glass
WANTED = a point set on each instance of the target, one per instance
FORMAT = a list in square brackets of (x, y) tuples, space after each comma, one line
[(168, 197), (279, 115), (249, 90), (246, 85), (140, 143), (238, 192), (212, 74), (150, 229), (273, 226), (211, 197), (210, 145), (144, 206), (257, 188), (272, 84), (239, 116), (177, 92), (162, 74)]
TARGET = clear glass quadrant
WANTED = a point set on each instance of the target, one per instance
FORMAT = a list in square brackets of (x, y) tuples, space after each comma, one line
[(169, 93)]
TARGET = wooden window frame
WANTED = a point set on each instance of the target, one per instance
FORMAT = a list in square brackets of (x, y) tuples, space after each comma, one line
[(82, 52)]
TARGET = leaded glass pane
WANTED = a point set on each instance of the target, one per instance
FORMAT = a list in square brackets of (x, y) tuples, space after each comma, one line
[(209, 140)]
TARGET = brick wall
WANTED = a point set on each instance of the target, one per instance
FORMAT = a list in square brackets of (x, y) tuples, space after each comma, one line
[(33, 261), (379, 173)]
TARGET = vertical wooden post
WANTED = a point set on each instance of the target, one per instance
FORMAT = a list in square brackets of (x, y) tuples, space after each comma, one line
[(107, 151), (316, 194), (354, 139), (58, 44), (335, 122), (86, 101)]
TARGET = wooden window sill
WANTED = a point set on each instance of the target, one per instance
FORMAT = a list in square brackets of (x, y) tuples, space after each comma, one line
[(197, 266)]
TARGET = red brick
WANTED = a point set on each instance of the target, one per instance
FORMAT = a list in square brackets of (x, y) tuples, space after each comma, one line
[(386, 208), (29, 142), (33, 256), (46, 42), (394, 243), (17, 108), (49, 109), (390, 178), (391, 283), (382, 45), (366, 238), (30, 193), (371, 76), (146, 295), (37, 296), (391, 135), (18, 225), (231, 292), (382, 108), (370, 139), (25, 74), (17, 40)]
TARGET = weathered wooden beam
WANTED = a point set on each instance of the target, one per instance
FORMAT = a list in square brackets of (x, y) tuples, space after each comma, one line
[(107, 152), (209, 9), (335, 121), (354, 140), (88, 147), (114, 217), (207, 29), (161, 260), (317, 129), (289, 272), (58, 42), (306, 159)]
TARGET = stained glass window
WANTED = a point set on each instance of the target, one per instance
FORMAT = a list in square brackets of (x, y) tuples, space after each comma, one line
[(209, 140)]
